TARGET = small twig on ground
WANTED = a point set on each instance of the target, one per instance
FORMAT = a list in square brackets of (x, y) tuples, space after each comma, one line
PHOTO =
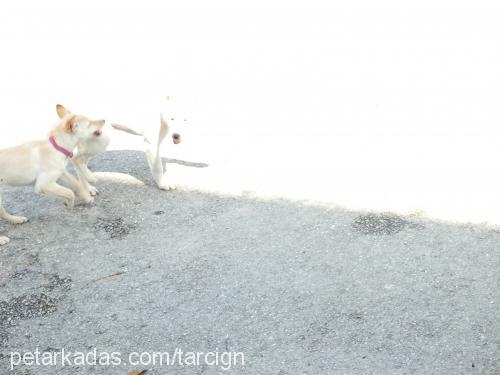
[(107, 277)]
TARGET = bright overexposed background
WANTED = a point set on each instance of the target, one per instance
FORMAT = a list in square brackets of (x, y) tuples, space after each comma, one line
[(383, 105)]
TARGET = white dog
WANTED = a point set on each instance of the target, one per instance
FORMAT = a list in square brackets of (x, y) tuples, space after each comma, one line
[(153, 151), (43, 162), (89, 148)]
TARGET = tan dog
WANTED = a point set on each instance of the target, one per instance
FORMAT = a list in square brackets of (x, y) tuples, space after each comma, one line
[(43, 162), (86, 149)]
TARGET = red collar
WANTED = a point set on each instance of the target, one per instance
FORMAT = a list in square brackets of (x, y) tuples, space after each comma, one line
[(62, 150)]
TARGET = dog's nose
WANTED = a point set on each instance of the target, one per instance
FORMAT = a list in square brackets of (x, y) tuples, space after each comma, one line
[(176, 137)]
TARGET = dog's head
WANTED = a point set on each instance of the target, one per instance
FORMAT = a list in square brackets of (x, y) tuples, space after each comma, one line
[(174, 121), (174, 129), (81, 126)]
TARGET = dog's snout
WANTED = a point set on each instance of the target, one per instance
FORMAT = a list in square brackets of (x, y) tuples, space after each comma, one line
[(176, 137)]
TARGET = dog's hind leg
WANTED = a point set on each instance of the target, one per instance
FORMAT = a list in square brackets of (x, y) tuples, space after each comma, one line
[(46, 185), (10, 218)]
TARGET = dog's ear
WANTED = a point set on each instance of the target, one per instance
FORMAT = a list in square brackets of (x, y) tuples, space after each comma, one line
[(61, 111), (71, 125)]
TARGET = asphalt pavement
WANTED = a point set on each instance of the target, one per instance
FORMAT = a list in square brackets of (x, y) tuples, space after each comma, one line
[(297, 287)]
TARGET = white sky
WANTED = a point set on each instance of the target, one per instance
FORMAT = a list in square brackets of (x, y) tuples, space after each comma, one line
[(366, 104)]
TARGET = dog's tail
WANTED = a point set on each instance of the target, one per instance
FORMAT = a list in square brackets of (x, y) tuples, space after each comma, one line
[(126, 129), (161, 134)]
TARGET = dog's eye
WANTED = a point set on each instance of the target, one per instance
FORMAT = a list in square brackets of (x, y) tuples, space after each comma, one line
[(172, 119)]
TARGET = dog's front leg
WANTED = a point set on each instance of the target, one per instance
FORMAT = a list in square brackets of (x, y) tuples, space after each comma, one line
[(75, 185), (159, 173), (91, 178), (82, 161), (54, 189), (80, 164)]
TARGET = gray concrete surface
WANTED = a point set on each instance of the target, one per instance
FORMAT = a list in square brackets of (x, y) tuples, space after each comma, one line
[(298, 288)]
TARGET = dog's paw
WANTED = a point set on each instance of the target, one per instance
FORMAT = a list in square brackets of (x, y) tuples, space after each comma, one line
[(17, 220), (4, 240), (93, 191), (70, 203), (166, 186), (88, 199)]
